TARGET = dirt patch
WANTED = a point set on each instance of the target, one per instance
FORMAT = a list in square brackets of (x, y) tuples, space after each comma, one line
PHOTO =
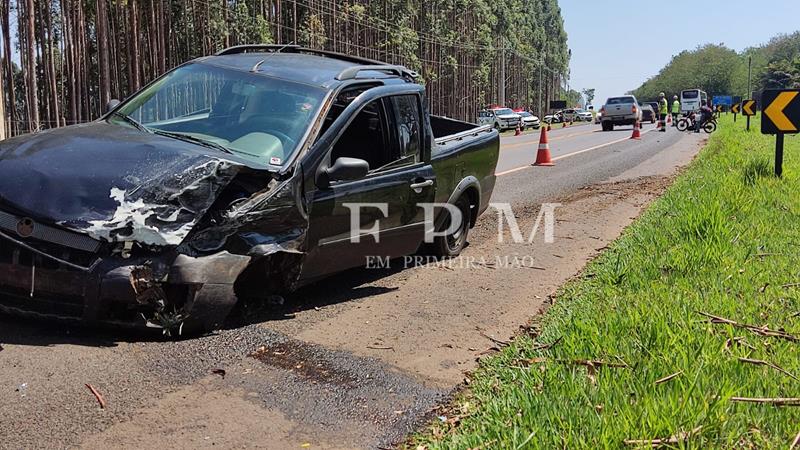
[(438, 319)]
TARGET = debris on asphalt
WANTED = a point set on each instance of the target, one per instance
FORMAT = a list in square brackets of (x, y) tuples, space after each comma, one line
[(675, 439), (380, 347), (22, 389), (220, 372), (97, 395)]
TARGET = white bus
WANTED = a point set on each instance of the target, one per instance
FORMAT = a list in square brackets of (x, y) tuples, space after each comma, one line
[(692, 99)]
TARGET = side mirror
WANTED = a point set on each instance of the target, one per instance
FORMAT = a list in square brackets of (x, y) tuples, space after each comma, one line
[(347, 169), (113, 103)]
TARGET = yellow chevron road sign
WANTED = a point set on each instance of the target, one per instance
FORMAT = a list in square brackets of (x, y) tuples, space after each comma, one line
[(781, 111), (749, 108), (735, 108)]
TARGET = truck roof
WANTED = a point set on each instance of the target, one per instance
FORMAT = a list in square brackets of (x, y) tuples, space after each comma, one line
[(309, 66)]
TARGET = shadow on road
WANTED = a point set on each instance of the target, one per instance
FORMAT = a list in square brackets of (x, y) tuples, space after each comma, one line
[(340, 288)]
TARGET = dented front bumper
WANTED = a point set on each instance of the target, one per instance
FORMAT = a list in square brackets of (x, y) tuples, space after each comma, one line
[(83, 287)]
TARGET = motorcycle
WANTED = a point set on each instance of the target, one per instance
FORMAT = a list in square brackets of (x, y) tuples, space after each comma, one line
[(687, 122)]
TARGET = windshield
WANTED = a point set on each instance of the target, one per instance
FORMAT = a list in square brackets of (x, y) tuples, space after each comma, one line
[(525, 114), (256, 117), (503, 111), (690, 94)]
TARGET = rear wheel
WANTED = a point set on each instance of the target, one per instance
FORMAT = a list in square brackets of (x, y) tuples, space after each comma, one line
[(451, 245), (608, 126), (710, 127)]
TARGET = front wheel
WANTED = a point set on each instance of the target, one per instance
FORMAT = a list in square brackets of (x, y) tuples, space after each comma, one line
[(683, 125), (451, 245), (710, 127)]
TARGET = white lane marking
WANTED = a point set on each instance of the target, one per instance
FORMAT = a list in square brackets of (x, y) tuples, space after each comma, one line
[(596, 147)]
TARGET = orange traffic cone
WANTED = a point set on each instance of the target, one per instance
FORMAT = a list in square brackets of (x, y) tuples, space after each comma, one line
[(669, 119), (564, 124), (636, 133), (518, 132), (543, 155)]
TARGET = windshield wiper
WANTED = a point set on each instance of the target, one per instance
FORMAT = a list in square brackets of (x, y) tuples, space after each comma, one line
[(192, 139), (131, 121)]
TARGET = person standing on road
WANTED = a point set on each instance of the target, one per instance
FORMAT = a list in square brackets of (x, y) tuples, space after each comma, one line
[(663, 109), (676, 110)]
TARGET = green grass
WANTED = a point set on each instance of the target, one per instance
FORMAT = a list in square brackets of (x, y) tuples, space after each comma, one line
[(723, 240)]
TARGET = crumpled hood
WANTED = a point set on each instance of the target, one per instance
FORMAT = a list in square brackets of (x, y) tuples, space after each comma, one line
[(113, 182)]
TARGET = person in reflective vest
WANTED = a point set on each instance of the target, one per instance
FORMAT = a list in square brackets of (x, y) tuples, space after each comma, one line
[(663, 110), (676, 110)]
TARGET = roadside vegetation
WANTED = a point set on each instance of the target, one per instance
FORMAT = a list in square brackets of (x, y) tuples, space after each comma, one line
[(84, 53), (685, 332), (722, 71)]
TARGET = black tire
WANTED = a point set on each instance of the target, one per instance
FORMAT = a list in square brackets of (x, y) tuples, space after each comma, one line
[(452, 245), (608, 126), (710, 127), (683, 125)]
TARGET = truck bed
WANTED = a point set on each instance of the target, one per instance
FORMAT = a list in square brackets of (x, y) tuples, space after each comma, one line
[(463, 149)]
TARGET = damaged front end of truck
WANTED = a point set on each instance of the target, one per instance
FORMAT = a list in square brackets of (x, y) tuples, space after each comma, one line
[(171, 242)]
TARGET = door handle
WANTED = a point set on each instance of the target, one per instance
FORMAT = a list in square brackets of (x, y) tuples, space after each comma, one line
[(417, 187)]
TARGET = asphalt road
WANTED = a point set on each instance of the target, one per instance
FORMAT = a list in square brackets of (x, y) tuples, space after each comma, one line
[(356, 361)]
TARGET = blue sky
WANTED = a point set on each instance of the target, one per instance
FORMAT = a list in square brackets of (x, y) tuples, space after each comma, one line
[(617, 66)]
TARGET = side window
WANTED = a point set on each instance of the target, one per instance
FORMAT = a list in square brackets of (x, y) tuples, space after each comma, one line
[(366, 137), (408, 127)]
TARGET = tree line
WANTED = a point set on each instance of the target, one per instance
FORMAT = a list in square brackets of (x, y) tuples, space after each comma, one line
[(73, 56), (720, 70)]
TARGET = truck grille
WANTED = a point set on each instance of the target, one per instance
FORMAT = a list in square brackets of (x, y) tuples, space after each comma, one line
[(46, 233)]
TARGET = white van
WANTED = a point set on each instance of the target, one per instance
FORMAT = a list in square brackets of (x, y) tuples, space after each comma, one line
[(692, 99)]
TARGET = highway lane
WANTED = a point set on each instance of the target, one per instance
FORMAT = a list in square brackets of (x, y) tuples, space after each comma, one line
[(582, 156), (520, 151)]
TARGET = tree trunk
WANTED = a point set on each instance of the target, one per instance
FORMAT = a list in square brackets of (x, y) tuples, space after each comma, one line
[(133, 13), (102, 53), (8, 69), (30, 64)]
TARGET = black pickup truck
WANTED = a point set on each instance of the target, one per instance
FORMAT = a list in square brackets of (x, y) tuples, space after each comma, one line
[(233, 176)]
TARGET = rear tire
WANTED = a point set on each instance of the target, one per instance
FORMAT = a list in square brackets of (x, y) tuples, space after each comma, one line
[(451, 246), (710, 127)]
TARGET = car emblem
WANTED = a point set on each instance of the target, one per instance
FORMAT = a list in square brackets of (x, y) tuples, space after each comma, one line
[(25, 227)]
